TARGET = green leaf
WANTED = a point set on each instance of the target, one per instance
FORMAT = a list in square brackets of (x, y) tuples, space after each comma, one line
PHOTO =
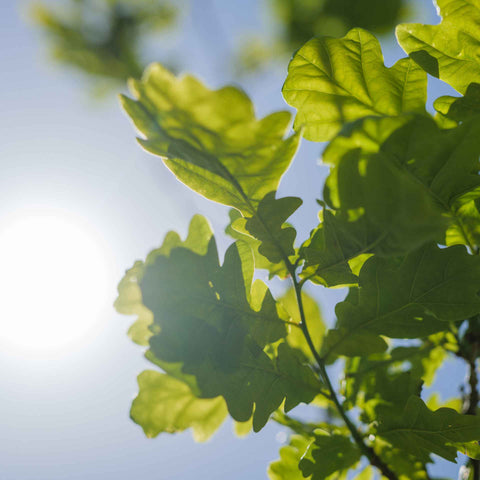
[(338, 247), (287, 467), (332, 82), (329, 454), (421, 432), (466, 231), (407, 466), (206, 323), (459, 109), (406, 172), (448, 51), (316, 325), (261, 262), (268, 226), (129, 300), (210, 139), (386, 381), (407, 297), (242, 429), (165, 404)]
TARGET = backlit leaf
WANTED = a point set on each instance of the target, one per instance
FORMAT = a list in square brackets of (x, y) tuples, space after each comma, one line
[(165, 404), (420, 432), (316, 325), (287, 467), (448, 51), (332, 82), (210, 139), (129, 300), (408, 298), (329, 454), (406, 172), (207, 324)]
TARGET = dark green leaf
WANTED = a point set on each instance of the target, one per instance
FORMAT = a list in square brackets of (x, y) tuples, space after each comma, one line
[(335, 81), (129, 300), (268, 226), (408, 298), (338, 247), (459, 109), (207, 324), (405, 172), (421, 432), (260, 261)]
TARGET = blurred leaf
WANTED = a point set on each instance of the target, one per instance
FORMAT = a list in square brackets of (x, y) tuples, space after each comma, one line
[(303, 19), (316, 326), (242, 429), (129, 300), (448, 51), (332, 82), (103, 38), (287, 467), (165, 404)]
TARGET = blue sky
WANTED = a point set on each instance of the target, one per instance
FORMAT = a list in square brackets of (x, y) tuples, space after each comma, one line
[(64, 415)]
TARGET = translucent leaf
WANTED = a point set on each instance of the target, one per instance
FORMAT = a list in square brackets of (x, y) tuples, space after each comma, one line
[(287, 467), (268, 226), (405, 172), (129, 300), (316, 325), (329, 454), (421, 432), (207, 324), (240, 234), (448, 51), (459, 109), (339, 246), (332, 82), (210, 139), (165, 404)]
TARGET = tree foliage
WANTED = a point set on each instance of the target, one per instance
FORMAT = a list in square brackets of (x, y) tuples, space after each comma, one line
[(399, 226)]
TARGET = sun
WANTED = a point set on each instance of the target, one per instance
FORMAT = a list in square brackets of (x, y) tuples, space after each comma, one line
[(54, 281)]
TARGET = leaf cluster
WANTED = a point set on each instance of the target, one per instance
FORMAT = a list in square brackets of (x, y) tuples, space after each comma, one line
[(399, 226)]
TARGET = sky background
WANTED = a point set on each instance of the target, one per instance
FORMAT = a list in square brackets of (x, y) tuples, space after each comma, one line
[(64, 414)]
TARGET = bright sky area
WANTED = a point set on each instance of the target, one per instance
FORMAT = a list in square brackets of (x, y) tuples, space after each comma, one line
[(70, 165)]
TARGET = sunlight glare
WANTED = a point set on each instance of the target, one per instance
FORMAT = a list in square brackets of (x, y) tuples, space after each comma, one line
[(54, 281)]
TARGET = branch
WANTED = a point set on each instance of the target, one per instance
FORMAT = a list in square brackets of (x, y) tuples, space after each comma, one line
[(472, 404), (373, 458)]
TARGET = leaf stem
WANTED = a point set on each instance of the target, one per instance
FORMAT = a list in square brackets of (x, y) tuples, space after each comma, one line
[(373, 458)]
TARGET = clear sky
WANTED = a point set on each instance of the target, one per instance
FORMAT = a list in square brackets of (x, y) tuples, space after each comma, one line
[(64, 412)]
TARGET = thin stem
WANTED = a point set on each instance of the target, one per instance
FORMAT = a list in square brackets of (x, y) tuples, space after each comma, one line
[(373, 458), (472, 406)]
